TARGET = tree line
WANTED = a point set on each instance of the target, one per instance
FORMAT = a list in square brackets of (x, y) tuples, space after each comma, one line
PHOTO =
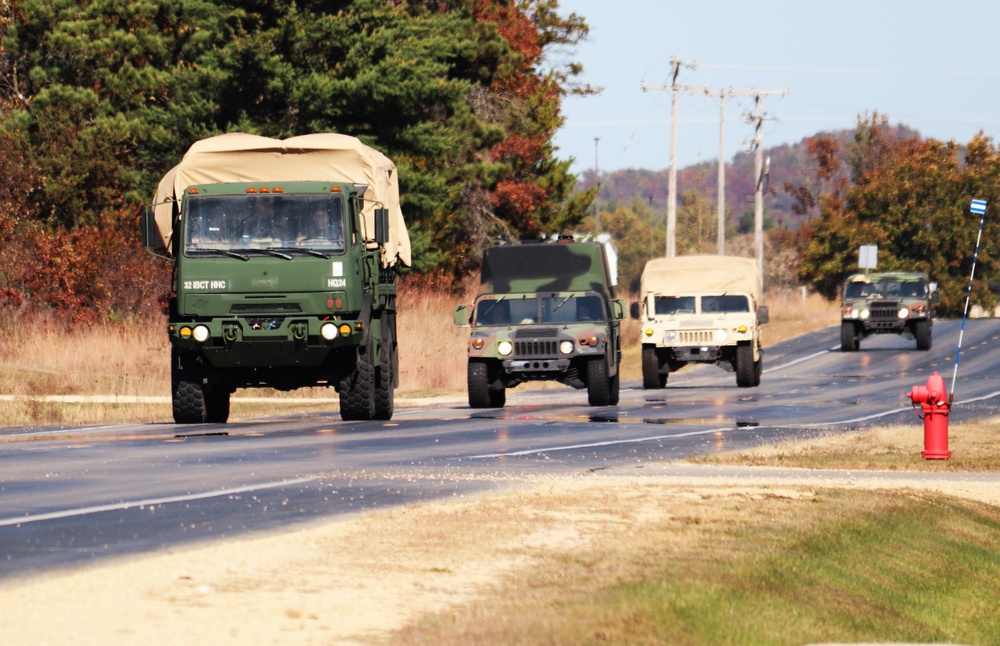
[(98, 98)]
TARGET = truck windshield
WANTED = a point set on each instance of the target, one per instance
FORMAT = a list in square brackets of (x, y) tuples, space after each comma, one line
[(311, 222), (675, 304)]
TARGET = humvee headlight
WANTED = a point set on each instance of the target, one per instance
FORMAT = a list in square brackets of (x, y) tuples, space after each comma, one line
[(671, 337), (200, 333), (649, 331), (721, 336), (865, 314), (903, 312), (504, 348), (328, 331), (184, 332), (566, 347)]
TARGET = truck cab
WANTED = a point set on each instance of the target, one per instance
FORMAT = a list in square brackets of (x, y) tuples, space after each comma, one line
[(899, 303)]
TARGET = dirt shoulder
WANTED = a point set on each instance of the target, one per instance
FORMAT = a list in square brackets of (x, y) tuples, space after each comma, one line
[(353, 581)]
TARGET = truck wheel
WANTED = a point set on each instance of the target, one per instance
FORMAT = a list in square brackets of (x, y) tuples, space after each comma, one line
[(357, 398), (745, 368), (615, 387), (758, 369), (848, 337), (922, 330), (188, 402), (651, 375), (384, 393), (217, 405), (598, 382), (479, 386)]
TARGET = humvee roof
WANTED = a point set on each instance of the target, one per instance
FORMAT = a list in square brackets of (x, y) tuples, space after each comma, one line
[(546, 267), (699, 273)]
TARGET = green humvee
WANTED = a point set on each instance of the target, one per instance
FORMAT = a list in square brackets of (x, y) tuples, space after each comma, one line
[(887, 303), (545, 312)]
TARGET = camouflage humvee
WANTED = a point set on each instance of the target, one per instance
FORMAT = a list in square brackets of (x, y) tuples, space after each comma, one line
[(545, 312), (887, 303)]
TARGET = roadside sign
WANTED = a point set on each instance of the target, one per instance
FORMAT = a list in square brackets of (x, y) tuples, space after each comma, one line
[(978, 207), (868, 256)]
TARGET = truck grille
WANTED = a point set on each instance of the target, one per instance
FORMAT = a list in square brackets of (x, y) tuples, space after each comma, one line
[(534, 348), (264, 309)]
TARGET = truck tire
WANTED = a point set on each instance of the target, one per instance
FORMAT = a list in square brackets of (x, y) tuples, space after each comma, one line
[(922, 331), (217, 405), (651, 375), (848, 337), (188, 401), (384, 392), (615, 386), (598, 382), (758, 369), (480, 393), (745, 368), (357, 392)]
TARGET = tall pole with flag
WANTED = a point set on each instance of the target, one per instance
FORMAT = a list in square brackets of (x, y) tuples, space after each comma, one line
[(978, 207)]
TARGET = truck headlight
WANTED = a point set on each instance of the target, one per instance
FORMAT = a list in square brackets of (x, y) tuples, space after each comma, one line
[(865, 314), (566, 347), (721, 336), (671, 337), (328, 331), (200, 333), (903, 312), (504, 348)]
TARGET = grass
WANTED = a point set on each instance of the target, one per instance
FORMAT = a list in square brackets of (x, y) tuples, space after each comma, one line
[(130, 359), (757, 563)]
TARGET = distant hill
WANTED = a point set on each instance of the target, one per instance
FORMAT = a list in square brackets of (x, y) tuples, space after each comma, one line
[(790, 164)]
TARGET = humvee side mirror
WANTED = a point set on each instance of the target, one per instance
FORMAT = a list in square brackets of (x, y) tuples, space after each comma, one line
[(633, 310), (935, 298), (617, 309), (462, 316), (762, 315)]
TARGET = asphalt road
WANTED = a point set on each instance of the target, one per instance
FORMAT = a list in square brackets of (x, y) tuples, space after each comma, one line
[(70, 496)]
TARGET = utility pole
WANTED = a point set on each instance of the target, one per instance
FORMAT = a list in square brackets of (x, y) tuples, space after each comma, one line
[(759, 175), (675, 91), (597, 182)]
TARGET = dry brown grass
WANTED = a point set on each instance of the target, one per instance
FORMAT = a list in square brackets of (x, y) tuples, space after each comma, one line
[(130, 359)]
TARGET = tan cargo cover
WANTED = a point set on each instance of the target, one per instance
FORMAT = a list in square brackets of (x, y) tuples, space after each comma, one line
[(325, 157), (698, 274)]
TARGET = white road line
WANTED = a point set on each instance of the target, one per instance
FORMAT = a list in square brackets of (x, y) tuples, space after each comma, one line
[(653, 438), (799, 360), (82, 511)]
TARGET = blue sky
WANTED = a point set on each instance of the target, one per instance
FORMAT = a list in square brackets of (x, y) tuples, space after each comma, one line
[(933, 66)]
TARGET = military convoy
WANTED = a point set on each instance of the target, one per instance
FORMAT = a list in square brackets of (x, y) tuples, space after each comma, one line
[(700, 308), (285, 255), (887, 303), (545, 311)]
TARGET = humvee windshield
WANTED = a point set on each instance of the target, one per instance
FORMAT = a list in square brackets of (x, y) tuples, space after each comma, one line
[(714, 303), (243, 222), (887, 289), (547, 309)]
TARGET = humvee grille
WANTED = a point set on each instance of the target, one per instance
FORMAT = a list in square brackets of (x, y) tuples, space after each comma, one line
[(695, 337), (884, 311), (534, 348)]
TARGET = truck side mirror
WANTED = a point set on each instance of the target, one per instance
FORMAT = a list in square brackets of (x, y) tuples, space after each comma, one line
[(762, 315), (381, 226), (462, 316), (633, 310), (935, 298), (149, 229)]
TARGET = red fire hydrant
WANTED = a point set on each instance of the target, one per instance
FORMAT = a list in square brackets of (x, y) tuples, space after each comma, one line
[(934, 409)]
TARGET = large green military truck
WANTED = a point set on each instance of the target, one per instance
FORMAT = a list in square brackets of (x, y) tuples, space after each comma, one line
[(285, 255), (887, 303), (700, 308), (545, 311)]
